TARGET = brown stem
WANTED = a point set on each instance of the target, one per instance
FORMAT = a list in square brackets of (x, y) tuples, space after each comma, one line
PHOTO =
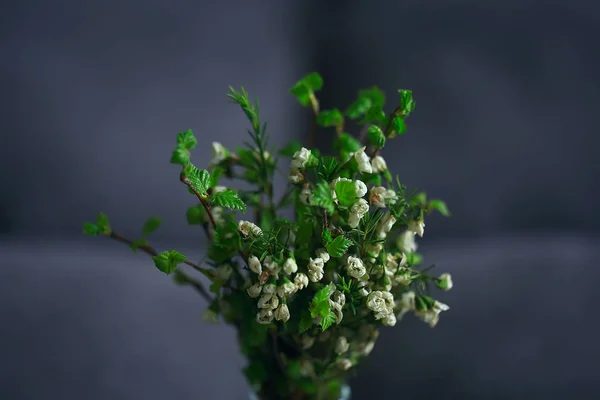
[(202, 199), (149, 250)]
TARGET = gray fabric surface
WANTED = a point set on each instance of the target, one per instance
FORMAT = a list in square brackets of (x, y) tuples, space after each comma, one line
[(91, 320)]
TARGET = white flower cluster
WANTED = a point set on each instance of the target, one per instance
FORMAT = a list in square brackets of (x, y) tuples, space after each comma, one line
[(430, 316), (299, 161), (249, 229), (382, 304)]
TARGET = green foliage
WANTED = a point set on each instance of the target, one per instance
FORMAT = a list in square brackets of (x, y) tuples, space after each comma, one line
[(321, 308), (346, 193), (187, 139), (150, 225), (376, 136), (199, 178), (439, 206), (306, 322), (338, 246), (167, 261), (407, 104), (367, 99), (291, 148), (399, 125), (196, 215), (305, 88), (101, 227), (329, 118), (322, 197), (228, 199)]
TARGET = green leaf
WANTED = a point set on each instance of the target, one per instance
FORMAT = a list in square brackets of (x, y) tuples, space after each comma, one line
[(367, 98), (338, 246), (313, 81), (196, 215), (322, 197), (346, 193), (305, 87), (440, 206), (167, 261), (413, 259), (180, 156), (228, 199), (306, 322), (103, 224), (215, 287), (375, 114), (328, 118), (291, 148), (138, 242), (320, 301), (326, 237), (328, 318), (399, 125), (150, 225), (419, 199), (199, 178), (376, 136), (91, 229), (187, 139), (406, 101)]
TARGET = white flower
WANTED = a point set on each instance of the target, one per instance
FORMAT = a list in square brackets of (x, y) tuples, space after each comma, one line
[(300, 158), (378, 164), (376, 196), (282, 313), (337, 310), (360, 188), (361, 207), (295, 176), (344, 364), (219, 153), (224, 272), (268, 301), (355, 267), (339, 297), (373, 249), (286, 289), (406, 303), (406, 242), (341, 345), (417, 227), (389, 320), (301, 280), (210, 316), (390, 196), (445, 282), (254, 265), (306, 196), (290, 266), (269, 264), (362, 159), (247, 228), (367, 348), (323, 254), (432, 316), (385, 224), (381, 303), (307, 341), (270, 288), (353, 220), (315, 269), (264, 316), (363, 288), (254, 290)]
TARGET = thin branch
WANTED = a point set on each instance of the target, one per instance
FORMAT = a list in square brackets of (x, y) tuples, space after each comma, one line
[(202, 199), (388, 129), (314, 105)]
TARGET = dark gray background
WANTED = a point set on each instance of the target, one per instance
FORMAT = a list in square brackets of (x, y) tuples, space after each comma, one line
[(92, 94)]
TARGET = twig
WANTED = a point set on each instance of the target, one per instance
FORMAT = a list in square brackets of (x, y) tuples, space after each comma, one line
[(202, 199), (388, 129), (149, 250), (314, 105)]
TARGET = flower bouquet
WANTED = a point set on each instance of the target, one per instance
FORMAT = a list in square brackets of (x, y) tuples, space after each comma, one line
[(323, 266)]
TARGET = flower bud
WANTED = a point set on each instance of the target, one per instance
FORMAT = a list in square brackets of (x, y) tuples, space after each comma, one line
[(444, 282), (301, 280), (360, 188), (282, 313), (268, 301), (264, 316), (286, 289), (344, 364), (362, 159), (341, 345), (254, 265), (355, 267), (417, 227), (290, 266), (323, 254), (378, 164), (254, 290)]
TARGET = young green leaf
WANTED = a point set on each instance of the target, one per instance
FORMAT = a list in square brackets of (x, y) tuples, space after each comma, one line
[(228, 199), (187, 139), (91, 229), (103, 224), (322, 197), (376, 136), (290, 149), (167, 261), (199, 178), (327, 319), (306, 86), (367, 98), (138, 242), (406, 101), (346, 193), (150, 225), (196, 215), (326, 237), (180, 156), (329, 118), (440, 206), (320, 301), (399, 125), (338, 246)]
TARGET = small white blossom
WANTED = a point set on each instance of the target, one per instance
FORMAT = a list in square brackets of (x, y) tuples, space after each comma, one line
[(376, 196), (355, 267), (363, 161), (341, 345), (344, 364), (286, 289), (361, 207), (373, 249), (210, 316), (290, 266), (269, 264), (445, 282), (219, 153), (417, 227), (385, 225), (247, 228), (389, 320), (323, 254), (432, 316), (367, 348), (360, 188), (406, 242), (254, 265), (315, 269), (336, 308), (295, 176), (282, 313), (254, 290), (363, 288), (270, 288), (378, 164), (381, 302), (307, 341), (264, 316), (353, 220), (268, 301), (224, 272), (339, 297), (406, 303), (390, 196), (300, 158), (301, 280), (306, 196)]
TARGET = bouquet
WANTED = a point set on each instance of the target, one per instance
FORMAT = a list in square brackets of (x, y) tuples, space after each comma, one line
[(306, 278)]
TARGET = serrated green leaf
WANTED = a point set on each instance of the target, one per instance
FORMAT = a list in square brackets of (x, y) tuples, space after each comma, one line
[(167, 261), (399, 125), (375, 114), (346, 193), (439, 206), (291, 148), (306, 322), (91, 229), (367, 99), (326, 237), (150, 225), (228, 199), (328, 318), (180, 156), (322, 197), (187, 139), (338, 246), (305, 87), (376, 136), (199, 178), (329, 118), (320, 301), (406, 101)]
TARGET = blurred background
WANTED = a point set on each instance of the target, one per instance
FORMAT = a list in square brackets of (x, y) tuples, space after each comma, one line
[(93, 92)]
